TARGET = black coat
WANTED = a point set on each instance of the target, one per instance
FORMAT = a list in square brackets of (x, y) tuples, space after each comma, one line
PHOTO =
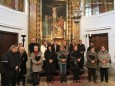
[(81, 48), (73, 59), (9, 62), (49, 67), (23, 61), (71, 47), (57, 48)]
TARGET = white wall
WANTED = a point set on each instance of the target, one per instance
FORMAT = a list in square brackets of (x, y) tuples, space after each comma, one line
[(102, 23), (15, 21)]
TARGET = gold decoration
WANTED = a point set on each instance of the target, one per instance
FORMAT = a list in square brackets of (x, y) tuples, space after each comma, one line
[(33, 1)]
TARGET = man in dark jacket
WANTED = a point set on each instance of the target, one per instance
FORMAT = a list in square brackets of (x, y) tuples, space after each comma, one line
[(32, 44), (10, 65), (81, 49), (55, 49)]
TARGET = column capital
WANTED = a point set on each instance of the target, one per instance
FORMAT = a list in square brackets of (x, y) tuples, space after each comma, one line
[(33, 1)]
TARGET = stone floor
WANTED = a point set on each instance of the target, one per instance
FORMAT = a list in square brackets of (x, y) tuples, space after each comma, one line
[(83, 82)]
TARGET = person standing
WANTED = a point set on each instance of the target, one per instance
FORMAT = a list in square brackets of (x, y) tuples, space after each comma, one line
[(32, 44), (49, 64), (43, 49), (75, 58), (56, 48), (36, 65), (90, 45), (62, 62), (104, 63), (23, 68), (81, 48), (92, 59), (71, 46), (31, 49), (10, 65)]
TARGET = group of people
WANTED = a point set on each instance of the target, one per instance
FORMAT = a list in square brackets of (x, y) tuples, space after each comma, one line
[(13, 66), (52, 58), (101, 59)]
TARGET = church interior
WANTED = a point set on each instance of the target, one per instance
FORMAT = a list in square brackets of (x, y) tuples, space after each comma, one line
[(59, 20)]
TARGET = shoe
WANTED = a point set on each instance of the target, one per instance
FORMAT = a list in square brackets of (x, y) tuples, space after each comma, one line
[(75, 81), (94, 81), (78, 80), (106, 81), (89, 80)]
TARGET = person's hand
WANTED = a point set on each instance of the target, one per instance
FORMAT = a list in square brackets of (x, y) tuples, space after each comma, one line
[(78, 60), (92, 61), (63, 60), (50, 61), (16, 68), (104, 61), (39, 62)]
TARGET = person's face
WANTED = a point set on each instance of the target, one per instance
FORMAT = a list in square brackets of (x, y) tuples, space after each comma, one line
[(15, 49), (45, 43), (21, 49), (64, 42), (91, 44), (75, 48), (33, 40), (49, 47), (55, 42), (80, 42), (93, 50), (35, 48), (61, 48), (103, 48)]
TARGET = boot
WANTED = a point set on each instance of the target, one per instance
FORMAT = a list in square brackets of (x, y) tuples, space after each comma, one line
[(61, 78)]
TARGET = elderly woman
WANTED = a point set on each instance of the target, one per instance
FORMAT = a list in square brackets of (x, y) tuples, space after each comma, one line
[(104, 63), (92, 59), (62, 62), (75, 58), (23, 68), (36, 65)]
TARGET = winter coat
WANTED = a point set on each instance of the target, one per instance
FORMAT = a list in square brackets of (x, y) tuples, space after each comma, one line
[(91, 56), (9, 62), (35, 66), (104, 56), (62, 55), (49, 67), (23, 61)]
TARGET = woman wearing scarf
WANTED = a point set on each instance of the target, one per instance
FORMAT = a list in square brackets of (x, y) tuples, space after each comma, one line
[(36, 65)]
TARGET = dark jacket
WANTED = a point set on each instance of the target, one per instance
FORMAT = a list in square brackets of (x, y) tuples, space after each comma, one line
[(31, 47), (23, 61), (91, 56), (73, 59), (57, 48), (9, 62), (71, 47), (49, 67), (81, 48)]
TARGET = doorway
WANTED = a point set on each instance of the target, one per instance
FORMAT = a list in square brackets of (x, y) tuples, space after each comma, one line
[(6, 40), (99, 40)]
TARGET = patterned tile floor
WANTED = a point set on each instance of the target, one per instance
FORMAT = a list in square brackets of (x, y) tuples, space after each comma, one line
[(83, 82)]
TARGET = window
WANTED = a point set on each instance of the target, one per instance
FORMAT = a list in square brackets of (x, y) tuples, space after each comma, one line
[(13, 4), (93, 7)]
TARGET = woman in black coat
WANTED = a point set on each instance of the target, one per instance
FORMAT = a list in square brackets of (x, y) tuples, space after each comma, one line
[(75, 58), (23, 60), (50, 64)]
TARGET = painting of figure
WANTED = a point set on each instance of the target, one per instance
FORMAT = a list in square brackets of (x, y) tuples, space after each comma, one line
[(53, 16)]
